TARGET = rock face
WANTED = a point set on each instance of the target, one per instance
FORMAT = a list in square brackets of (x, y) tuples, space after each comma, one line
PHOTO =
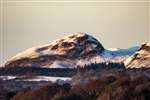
[(141, 58), (68, 51)]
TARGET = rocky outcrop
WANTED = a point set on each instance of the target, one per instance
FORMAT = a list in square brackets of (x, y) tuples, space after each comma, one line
[(141, 58)]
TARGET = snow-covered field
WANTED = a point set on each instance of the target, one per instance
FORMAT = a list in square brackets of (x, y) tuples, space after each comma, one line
[(35, 78)]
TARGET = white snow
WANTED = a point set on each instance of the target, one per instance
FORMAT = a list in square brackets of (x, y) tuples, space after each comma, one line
[(55, 65), (32, 53), (128, 60), (62, 64), (88, 61), (148, 44), (110, 53), (82, 62), (97, 59), (46, 78), (36, 78), (124, 52), (7, 77), (113, 49), (90, 38), (107, 54)]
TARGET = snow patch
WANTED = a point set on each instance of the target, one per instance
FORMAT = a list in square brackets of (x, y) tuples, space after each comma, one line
[(45, 78), (36, 78), (107, 54), (89, 61), (113, 49), (63, 64), (128, 60), (124, 52), (7, 77)]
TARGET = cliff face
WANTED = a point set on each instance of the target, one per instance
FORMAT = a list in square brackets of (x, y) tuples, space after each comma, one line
[(65, 52), (141, 58)]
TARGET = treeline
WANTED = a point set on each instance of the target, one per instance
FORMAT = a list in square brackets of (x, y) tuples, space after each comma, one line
[(61, 72), (111, 84)]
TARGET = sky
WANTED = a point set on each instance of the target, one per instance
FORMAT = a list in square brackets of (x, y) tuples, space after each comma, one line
[(116, 24)]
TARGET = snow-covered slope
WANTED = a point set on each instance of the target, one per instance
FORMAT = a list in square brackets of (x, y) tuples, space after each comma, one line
[(141, 58), (65, 52), (118, 55), (124, 52), (71, 51)]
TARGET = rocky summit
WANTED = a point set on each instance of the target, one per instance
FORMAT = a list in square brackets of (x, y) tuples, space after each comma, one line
[(70, 51), (141, 58)]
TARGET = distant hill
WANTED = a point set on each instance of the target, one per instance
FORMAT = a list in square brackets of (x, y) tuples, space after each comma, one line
[(70, 51)]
